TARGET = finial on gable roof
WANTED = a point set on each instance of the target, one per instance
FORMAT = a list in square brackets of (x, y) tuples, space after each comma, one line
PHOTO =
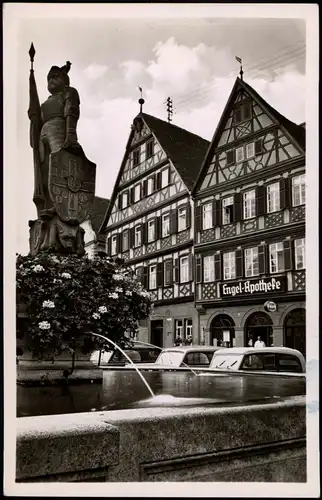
[(238, 59), (141, 100)]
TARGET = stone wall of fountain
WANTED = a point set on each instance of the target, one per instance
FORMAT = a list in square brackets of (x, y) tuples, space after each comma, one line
[(264, 442)]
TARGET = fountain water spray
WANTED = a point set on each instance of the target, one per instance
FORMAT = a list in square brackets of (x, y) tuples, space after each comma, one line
[(161, 349), (128, 358)]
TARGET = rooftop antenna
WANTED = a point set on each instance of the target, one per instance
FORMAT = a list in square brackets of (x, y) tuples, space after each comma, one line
[(169, 109), (238, 59), (141, 100)]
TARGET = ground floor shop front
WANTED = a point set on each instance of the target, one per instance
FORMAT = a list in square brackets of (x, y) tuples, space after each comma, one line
[(169, 322), (241, 325)]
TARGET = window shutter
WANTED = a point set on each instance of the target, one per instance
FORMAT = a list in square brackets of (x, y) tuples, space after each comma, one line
[(140, 196), (144, 235), (238, 207), (239, 263), (198, 218), (132, 196), (154, 182), (198, 261), (158, 181), (258, 146), (109, 246), (173, 221), (230, 157), (288, 255), (158, 227), (132, 237), (218, 212), (119, 202), (145, 280), (218, 266), (145, 188), (176, 271), (118, 242), (188, 217), (190, 263), (262, 258), (159, 274), (260, 200), (285, 192), (214, 213)]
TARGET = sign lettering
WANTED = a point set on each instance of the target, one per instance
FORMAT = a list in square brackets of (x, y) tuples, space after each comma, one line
[(253, 287)]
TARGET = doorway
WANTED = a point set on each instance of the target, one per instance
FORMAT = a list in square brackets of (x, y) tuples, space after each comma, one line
[(294, 330), (258, 324), (222, 331), (157, 332)]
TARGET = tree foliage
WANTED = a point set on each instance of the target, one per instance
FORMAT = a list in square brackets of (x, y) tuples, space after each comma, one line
[(67, 297)]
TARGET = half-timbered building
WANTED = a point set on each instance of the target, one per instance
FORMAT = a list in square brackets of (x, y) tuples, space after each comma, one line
[(250, 227), (149, 222)]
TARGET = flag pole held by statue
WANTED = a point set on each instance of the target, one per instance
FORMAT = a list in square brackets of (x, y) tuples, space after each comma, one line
[(34, 114)]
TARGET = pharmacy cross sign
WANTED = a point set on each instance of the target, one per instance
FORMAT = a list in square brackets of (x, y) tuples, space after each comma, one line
[(253, 287)]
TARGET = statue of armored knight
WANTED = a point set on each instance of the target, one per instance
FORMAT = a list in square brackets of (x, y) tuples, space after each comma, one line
[(64, 177)]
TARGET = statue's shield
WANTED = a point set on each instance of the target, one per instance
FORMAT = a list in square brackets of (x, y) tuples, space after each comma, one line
[(71, 185)]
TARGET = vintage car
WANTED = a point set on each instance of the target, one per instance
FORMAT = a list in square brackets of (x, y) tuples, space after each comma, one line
[(277, 360), (181, 358), (137, 353)]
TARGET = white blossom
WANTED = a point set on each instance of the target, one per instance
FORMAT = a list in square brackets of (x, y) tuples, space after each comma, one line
[(144, 293), (38, 268), (48, 303), (113, 295), (44, 325), (118, 290), (55, 259), (102, 309), (118, 277), (66, 275), (128, 293), (96, 316)]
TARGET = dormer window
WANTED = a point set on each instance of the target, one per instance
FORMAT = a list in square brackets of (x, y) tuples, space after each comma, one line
[(136, 157), (149, 149)]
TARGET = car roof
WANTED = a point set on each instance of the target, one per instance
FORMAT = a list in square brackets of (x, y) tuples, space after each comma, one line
[(252, 350), (185, 348)]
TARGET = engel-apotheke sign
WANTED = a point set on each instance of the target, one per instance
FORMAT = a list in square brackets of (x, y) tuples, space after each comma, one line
[(253, 287)]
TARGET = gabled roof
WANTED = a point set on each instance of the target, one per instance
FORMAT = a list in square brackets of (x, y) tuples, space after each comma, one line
[(185, 149), (98, 212), (296, 131)]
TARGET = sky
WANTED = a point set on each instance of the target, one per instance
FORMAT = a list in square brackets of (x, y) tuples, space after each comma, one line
[(192, 60)]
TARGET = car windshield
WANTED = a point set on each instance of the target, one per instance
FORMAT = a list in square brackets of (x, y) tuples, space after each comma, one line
[(231, 361), (170, 358)]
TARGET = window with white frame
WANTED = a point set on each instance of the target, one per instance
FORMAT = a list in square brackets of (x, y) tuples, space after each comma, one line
[(125, 199), (250, 150), (188, 327), (184, 269), (165, 178), (165, 225), (151, 230), (207, 216), (276, 257), (137, 193), (240, 154), (178, 327), (229, 264), (137, 236), (182, 218), (209, 268), (125, 241), (114, 243), (251, 262), (150, 185), (273, 197), (299, 251), (298, 190), (167, 272), (227, 210), (152, 277), (136, 157), (249, 204)]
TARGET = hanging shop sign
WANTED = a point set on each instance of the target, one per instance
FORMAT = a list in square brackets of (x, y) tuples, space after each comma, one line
[(270, 306), (253, 287)]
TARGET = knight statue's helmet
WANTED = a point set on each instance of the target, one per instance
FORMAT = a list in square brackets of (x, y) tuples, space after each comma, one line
[(64, 70)]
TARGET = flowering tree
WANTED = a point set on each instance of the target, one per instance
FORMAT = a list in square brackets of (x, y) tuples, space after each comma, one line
[(67, 297)]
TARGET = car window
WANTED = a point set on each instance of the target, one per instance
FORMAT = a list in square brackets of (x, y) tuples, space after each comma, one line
[(269, 362), (252, 362), (196, 358), (289, 363), (149, 355)]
